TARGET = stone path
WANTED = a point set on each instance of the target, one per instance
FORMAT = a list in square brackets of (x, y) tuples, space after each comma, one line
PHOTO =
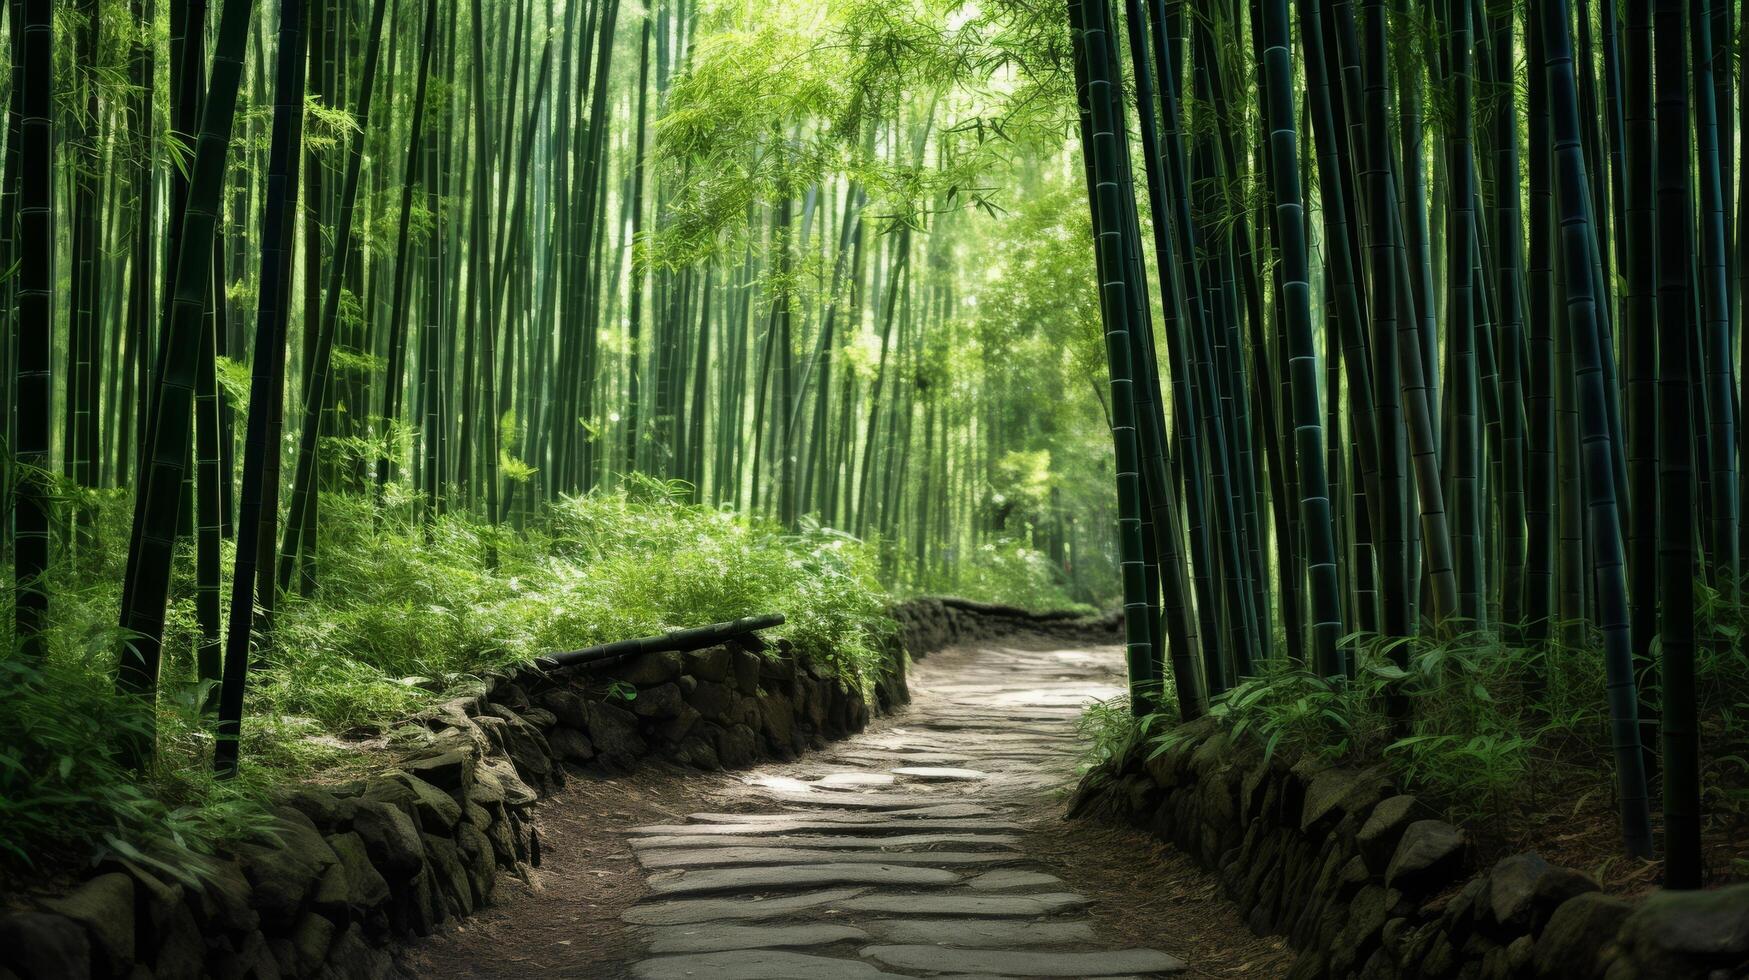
[(894, 854)]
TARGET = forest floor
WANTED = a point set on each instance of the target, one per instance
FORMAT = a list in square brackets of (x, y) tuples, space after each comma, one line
[(933, 842)]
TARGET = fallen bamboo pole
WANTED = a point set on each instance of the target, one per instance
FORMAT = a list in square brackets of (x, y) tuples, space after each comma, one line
[(695, 638), (1013, 612)]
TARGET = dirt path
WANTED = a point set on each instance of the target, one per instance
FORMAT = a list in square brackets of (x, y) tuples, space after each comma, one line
[(931, 844)]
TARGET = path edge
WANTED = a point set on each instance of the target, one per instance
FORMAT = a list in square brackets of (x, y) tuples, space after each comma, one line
[(1364, 881), (345, 871)]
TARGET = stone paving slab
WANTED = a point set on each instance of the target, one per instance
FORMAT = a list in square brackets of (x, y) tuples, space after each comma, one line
[(883, 758), (998, 976), (859, 801), (939, 774), (715, 937), (838, 779), (989, 732), (1027, 962), (758, 964), (966, 903), (808, 857), (823, 808), (791, 877), (982, 933), (837, 842), (788, 784), (1005, 879), (687, 911), (860, 827)]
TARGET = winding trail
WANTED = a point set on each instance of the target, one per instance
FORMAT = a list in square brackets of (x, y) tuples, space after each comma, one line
[(894, 853), (931, 844)]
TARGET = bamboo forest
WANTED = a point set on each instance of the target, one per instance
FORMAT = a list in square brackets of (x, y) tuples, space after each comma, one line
[(874, 489)]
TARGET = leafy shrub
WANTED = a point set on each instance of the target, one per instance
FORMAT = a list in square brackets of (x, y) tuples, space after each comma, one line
[(1495, 731), (65, 792), (1488, 718), (1722, 685), (1109, 729), (1006, 571), (404, 610)]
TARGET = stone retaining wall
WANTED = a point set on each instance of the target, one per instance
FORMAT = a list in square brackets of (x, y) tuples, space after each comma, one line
[(927, 624), (1367, 883), (344, 869)]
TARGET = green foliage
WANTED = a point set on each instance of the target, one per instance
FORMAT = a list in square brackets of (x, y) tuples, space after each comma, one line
[(1109, 729), (1490, 720), (66, 795), (405, 611), (1005, 571), (1020, 480), (233, 378), (326, 127), (1036, 340), (407, 614), (784, 95), (510, 465), (364, 447), (1722, 675)]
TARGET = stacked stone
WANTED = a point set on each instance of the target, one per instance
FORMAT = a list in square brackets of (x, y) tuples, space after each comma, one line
[(925, 625), (928, 624), (1367, 883), (724, 706), (316, 891), (343, 869)]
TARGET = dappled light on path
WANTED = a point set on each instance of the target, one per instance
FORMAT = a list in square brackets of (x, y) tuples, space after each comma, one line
[(898, 852)]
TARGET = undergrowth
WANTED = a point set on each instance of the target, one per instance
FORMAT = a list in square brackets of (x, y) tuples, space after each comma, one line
[(1495, 732), (1487, 721), (403, 611), (1008, 572), (1109, 729)]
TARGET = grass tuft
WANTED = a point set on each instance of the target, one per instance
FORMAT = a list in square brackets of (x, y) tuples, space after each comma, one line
[(404, 612)]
